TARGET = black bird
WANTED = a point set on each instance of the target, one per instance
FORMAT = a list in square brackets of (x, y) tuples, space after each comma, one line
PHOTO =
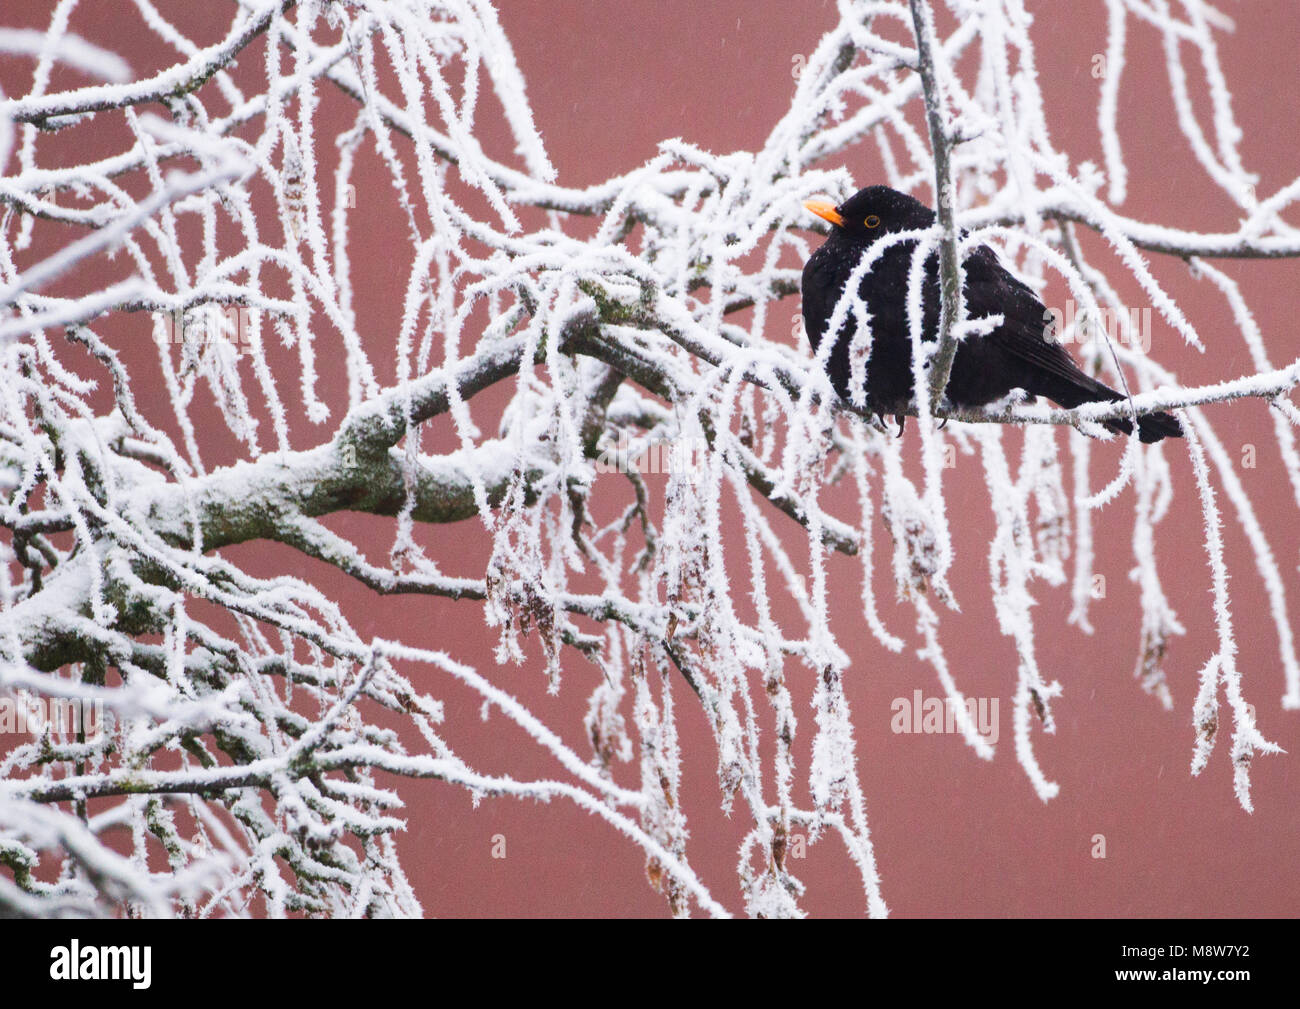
[(1014, 355)]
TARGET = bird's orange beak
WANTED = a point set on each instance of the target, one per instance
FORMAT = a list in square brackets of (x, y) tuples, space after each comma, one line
[(826, 211)]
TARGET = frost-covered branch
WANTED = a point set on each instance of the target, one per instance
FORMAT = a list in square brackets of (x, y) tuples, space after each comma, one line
[(951, 314)]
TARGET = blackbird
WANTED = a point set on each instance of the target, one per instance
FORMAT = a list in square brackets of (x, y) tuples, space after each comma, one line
[(1015, 355)]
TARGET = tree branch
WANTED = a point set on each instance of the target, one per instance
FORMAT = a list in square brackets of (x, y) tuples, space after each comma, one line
[(950, 271)]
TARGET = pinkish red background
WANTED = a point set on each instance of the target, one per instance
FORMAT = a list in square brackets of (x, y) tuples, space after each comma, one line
[(954, 835)]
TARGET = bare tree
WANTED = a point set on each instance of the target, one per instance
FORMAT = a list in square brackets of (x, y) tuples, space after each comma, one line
[(240, 737)]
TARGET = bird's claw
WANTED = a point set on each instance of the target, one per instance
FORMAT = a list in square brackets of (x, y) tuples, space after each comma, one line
[(902, 421), (877, 421)]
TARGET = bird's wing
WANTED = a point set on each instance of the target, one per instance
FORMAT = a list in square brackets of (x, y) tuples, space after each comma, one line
[(991, 289)]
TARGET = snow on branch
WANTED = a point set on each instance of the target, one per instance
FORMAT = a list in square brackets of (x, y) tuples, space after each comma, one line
[(237, 732)]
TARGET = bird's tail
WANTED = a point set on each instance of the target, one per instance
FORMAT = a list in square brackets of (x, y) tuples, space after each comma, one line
[(1083, 389)]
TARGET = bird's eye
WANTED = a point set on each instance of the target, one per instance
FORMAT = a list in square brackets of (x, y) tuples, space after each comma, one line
[(872, 221)]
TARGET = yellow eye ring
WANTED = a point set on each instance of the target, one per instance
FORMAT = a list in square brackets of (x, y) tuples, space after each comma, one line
[(872, 221)]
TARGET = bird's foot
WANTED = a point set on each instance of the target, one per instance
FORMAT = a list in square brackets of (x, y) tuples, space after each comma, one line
[(877, 421)]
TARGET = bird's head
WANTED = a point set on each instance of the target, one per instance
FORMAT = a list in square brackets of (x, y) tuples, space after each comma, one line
[(872, 212)]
